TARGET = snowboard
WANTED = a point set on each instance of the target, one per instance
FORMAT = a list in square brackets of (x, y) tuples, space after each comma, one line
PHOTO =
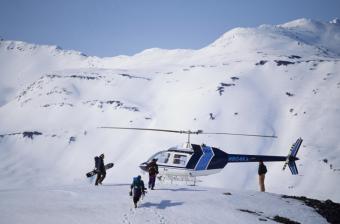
[(94, 172)]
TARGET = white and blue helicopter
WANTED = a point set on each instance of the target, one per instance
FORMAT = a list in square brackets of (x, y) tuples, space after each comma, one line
[(192, 160)]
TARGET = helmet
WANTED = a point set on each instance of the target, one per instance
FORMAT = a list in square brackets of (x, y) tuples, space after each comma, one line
[(102, 156)]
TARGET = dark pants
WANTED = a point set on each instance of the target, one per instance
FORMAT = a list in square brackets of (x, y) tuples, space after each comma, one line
[(137, 193), (152, 180), (100, 177)]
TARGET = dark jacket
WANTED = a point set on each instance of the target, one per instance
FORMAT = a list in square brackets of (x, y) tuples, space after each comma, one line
[(99, 163), (262, 169), (152, 168)]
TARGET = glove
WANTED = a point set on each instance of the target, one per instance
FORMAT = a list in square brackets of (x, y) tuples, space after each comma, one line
[(130, 193)]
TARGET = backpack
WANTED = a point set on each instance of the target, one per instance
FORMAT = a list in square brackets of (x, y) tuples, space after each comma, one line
[(262, 169), (265, 169), (136, 184)]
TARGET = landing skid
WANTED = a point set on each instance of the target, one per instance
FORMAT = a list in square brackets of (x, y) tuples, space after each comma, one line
[(188, 180)]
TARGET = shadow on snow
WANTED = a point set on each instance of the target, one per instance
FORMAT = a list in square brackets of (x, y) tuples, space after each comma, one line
[(162, 205), (116, 185), (179, 189)]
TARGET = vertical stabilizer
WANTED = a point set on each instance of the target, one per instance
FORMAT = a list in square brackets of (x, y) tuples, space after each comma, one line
[(290, 161)]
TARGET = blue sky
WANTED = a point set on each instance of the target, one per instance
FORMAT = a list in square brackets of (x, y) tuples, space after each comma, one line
[(114, 27)]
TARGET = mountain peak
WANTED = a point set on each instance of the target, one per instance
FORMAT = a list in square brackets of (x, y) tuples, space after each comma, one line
[(298, 37), (302, 22)]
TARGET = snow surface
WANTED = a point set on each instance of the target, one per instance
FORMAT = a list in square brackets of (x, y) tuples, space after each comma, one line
[(273, 79), (110, 203)]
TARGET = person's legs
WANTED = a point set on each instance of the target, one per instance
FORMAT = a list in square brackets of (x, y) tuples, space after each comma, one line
[(102, 177), (152, 180), (98, 178), (136, 196), (135, 200), (264, 188), (261, 182)]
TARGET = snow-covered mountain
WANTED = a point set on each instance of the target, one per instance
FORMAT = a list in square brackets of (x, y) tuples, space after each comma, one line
[(273, 79)]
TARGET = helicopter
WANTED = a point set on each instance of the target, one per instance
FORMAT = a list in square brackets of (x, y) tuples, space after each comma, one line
[(193, 160)]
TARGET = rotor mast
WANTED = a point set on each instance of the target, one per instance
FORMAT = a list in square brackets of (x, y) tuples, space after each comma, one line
[(188, 144)]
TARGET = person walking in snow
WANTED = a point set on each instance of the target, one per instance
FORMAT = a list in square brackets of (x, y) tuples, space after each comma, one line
[(99, 165), (137, 189), (152, 168), (262, 173)]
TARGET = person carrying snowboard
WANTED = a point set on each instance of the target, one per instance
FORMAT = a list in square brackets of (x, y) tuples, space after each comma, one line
[(153, 171), (99, 165), (262, 173), (137, 189)]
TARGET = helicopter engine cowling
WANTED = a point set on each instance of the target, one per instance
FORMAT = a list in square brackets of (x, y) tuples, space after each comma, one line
[(207, 158)]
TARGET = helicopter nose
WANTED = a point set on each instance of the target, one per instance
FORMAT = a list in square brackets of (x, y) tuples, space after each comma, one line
[(142, 166)]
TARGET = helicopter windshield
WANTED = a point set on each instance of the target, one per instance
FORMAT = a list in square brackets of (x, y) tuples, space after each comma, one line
[(162, 157)]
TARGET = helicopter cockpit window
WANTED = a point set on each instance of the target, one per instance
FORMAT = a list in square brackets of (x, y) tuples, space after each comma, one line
[(162, 157), (180, 159)]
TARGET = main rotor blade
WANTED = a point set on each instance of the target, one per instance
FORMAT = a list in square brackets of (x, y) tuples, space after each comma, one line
[(152, 129), (239, 134), (191, 132)]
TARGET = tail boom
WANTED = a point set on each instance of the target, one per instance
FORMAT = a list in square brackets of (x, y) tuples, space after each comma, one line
[(239, 158)]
